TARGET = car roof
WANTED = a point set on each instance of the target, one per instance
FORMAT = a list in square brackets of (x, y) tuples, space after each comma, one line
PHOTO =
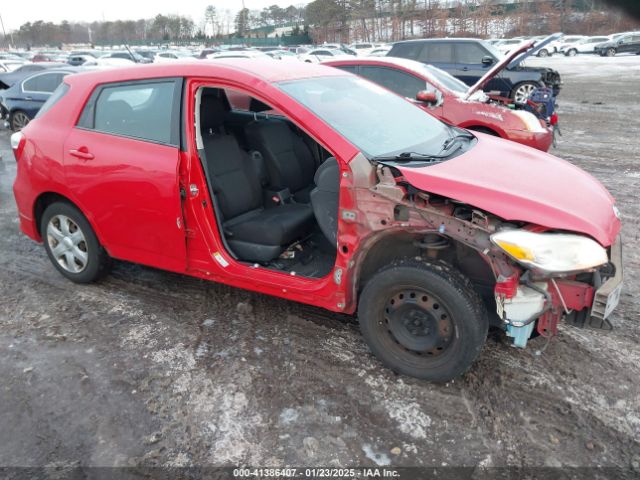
[(267, 69), (405, 63), (437, 40)]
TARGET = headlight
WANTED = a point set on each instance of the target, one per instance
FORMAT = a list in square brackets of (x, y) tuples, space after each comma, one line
[(551, 252), (531, 122)]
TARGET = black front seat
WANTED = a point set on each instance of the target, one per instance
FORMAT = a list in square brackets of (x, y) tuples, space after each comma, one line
[(253, 232), (290, 163), (325, 197)]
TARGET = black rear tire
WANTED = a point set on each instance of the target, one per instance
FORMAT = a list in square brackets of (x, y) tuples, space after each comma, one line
[(95, 263), (18, 120), (423, 319)]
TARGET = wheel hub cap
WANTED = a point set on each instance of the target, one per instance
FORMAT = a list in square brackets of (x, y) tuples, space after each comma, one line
[(67, 243), (418, 322)]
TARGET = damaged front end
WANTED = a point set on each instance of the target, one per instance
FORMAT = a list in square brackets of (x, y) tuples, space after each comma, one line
[(526, 292)]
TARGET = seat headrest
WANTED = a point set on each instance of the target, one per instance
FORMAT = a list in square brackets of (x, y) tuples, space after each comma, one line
[(257, 106), (212, 112)]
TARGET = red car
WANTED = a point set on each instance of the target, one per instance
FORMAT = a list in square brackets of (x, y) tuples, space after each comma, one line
[(350, 199), (450, 100)]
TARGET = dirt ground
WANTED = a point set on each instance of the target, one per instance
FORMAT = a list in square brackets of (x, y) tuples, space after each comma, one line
[(153, 368)]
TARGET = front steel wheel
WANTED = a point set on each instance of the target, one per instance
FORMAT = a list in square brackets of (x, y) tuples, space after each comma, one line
[(18, 120), (423, 319), (71, 244)]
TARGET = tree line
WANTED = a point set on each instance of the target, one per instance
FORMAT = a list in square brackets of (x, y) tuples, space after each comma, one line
[(346, 21), (392, 20), (214, 24)]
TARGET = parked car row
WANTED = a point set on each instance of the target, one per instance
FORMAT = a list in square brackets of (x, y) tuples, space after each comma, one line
[(572, 45), (307, 182), (507, 111)]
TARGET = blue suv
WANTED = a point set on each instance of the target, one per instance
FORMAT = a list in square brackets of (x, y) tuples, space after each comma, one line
[(469, 59)]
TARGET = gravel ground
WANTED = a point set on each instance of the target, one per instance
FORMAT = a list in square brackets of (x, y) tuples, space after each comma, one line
[(152, 368)]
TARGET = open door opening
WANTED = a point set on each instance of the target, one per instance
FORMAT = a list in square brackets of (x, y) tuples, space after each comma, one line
[(275, 189)]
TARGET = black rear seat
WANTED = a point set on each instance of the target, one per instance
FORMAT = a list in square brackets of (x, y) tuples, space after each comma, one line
[(253, 232), (290, 163)]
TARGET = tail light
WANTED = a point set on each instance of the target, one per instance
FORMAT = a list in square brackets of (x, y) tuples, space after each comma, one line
[(17, 144)]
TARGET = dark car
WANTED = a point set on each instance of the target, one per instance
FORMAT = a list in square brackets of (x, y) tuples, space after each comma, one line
[(148, 54), (625, 44), (469, 59), (134, 57), (9, 78), (21, 102)]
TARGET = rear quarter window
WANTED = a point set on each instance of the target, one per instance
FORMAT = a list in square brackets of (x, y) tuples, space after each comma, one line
[(406, 50)]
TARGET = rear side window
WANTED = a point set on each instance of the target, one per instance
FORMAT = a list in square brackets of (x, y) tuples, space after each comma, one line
[(402, 83), (436, 52), (145, 111), (55, 97), (348, 68), (45, 83), (470, 53)]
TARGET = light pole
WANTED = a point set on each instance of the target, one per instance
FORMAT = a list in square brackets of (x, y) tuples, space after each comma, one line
[(4, 34)]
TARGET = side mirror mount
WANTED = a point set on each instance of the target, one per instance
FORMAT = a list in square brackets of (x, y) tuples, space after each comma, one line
[(430, 97), (487, 60), (426, 96)]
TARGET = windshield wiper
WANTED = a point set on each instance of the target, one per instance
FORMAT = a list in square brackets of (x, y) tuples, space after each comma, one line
[(411, 157), (455, 139)]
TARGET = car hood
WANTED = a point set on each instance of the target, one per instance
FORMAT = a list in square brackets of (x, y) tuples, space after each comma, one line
[(498, 67), (519, 183), (512, 60)]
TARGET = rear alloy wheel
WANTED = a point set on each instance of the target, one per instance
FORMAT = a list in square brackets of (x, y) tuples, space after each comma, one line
[(543, 53), (71, 244), (572, 53), (18, 120), (610, 52), (523, 91), (423, 319)]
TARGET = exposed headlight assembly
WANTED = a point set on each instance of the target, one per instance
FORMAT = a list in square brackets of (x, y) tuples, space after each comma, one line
[(551, 252), (531, 122)]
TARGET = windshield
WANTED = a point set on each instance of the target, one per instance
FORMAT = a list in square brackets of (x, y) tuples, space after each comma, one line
[(448, 81), (492, 49), (364, 113)]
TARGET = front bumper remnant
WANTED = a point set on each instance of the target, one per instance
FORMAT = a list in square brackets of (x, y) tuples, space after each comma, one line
[(606, 297)]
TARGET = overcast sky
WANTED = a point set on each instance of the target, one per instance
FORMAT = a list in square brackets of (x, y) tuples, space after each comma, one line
[(14, 13)]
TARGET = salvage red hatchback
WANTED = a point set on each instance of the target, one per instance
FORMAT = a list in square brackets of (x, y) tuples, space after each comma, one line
[(350, 198)]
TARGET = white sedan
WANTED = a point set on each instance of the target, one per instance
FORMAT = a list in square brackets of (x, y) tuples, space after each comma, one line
[(319, 55), (173, 55), (586, 45), (237, 54), (10, 65)]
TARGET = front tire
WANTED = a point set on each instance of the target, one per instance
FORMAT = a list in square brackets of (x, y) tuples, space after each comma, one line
[(610, 52), (572, 53), (72, 245), (423, 319), (523, 91), (543, 53)]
